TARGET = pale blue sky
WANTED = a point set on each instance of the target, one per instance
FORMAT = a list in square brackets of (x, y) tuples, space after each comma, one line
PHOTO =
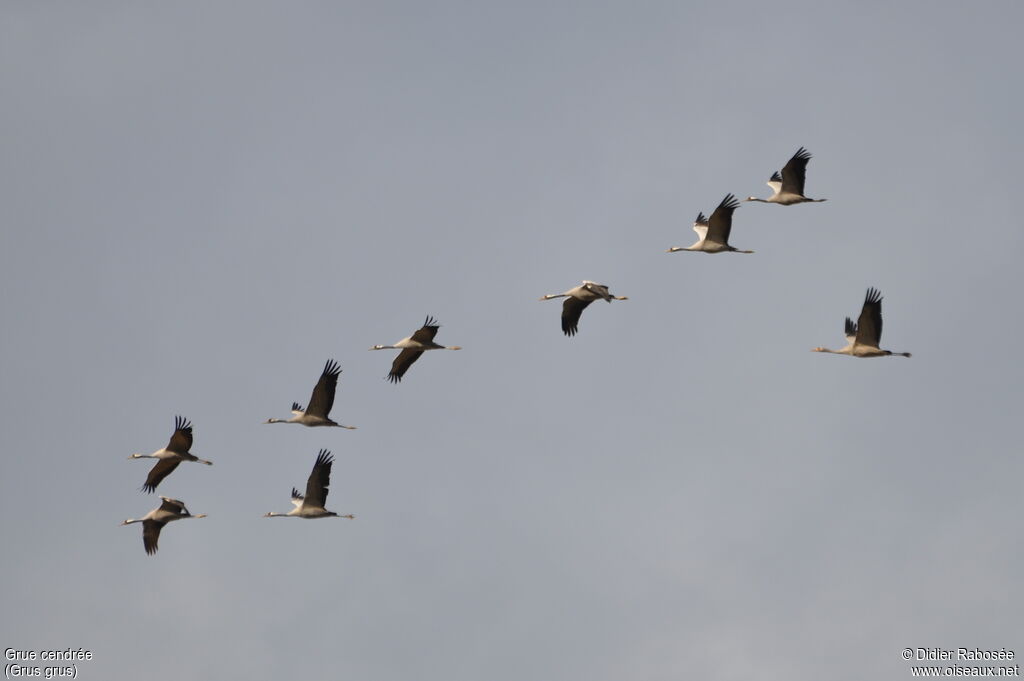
[(204, 202)]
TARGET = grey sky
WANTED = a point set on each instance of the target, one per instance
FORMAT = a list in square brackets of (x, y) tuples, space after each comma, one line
[(202, 203)]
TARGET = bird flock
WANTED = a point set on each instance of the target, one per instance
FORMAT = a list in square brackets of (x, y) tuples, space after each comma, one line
[(863, 338)]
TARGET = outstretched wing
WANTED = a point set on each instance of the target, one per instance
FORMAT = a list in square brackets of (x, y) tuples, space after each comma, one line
[(151, 535), (700, 225), (157, 473), (181, 439), (851, 331), (322, 399), (319, 480), (426, 333), (599, 290), (402, 363), (572, 308), (869, 324), (795, 171), (173, 506), (720, 223)]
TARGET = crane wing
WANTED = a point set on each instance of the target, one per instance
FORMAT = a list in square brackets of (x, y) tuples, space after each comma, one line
[(851, 331), (869, 324), (700, 225), (720, 223), (426, 333), (402, 363), (795, 171), (322, 399), (599, 290), (319, 480), (572, 308), (173, 506), (151, 535), (157, 473), (181, 439)]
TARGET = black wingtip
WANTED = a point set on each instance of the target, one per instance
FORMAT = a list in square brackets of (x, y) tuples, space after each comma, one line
[(331, 368), (873, 296), (802, 153), (182, 423), (393, 378), (324, 458), (729, 201), (431, 322)]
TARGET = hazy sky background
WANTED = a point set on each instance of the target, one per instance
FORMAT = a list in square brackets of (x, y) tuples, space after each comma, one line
[(202, 202)]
